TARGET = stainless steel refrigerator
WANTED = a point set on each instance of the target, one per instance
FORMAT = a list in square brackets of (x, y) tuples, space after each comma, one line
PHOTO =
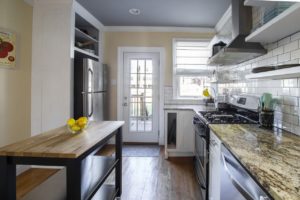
[(90, 87)]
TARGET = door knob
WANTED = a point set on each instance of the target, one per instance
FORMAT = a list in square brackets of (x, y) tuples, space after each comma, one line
[(124, 104)]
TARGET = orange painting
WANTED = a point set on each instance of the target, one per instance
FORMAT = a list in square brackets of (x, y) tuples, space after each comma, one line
[(7, 49)]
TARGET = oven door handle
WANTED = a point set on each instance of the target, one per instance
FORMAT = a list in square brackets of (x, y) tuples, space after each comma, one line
[(200, 135), (241, 189), (200, 182)]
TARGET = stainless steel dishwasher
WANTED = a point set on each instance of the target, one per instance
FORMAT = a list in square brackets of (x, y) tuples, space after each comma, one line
[(236, 182)]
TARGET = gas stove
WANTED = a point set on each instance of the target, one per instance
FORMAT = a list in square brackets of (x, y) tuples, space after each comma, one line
[(240, 110), (227, 117)]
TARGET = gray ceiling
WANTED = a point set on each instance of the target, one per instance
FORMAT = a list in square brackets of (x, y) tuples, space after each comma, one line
[(180, 13)]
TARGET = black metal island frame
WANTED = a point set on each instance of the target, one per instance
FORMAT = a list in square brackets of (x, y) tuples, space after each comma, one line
[(76, 152)]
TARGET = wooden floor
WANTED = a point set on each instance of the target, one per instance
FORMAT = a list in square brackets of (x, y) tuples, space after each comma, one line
[(144, 178)]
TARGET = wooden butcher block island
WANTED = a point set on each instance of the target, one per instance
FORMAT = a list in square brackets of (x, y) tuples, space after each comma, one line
[(85, 171)]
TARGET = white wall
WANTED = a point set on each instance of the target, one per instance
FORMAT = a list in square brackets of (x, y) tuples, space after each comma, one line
[(16, 16)]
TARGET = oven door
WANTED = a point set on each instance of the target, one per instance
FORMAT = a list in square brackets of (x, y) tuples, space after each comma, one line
[(200, 179), (201, 153)]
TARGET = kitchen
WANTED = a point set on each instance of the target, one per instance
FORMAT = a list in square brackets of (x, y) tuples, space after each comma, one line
[(168, 67)]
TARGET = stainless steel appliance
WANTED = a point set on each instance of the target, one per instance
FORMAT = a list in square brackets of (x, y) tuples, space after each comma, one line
[(201, 154), (89, 89), (240, 110), (238, 50), (236, 183)]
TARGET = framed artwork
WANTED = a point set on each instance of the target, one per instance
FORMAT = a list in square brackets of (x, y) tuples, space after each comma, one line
[(7, 49)]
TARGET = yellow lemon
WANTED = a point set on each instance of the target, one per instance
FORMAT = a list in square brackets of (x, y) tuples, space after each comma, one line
[(71, 122), (82, 122), (206, 93), (75, 128)]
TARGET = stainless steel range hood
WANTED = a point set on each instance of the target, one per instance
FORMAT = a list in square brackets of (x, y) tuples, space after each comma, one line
[(238, 50)]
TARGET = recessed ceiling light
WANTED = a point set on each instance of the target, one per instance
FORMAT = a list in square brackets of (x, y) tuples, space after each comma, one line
[(134, 11)]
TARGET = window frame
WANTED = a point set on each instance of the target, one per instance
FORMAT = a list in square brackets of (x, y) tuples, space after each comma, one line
[(175, 76)]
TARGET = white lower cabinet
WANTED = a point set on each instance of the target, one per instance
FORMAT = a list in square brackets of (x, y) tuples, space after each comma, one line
[(214, 167), (179, 133)]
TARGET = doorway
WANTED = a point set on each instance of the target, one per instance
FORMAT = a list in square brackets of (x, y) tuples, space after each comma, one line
[(140, 104)]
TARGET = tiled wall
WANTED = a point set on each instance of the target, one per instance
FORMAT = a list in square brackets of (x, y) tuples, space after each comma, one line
[(287, 91)]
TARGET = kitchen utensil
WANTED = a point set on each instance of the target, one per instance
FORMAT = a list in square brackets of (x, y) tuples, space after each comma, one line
[(266, 119), (286, 66), (217, 47), (271, 68)]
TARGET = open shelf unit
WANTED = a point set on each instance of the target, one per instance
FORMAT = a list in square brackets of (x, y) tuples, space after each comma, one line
[(86, 38), (85, 53), (97, 169), (279, 27), (81, 36), (106, 192), (292, 72)]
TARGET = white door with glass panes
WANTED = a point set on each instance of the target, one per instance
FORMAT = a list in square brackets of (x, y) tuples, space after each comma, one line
[(140, 99)]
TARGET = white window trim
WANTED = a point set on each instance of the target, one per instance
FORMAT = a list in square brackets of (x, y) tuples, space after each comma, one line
[(174, 77)]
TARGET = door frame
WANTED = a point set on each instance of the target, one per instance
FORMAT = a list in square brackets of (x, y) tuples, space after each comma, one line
[(161, 71)]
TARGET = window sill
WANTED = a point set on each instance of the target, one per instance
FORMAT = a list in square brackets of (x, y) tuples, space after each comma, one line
[(188, 99)]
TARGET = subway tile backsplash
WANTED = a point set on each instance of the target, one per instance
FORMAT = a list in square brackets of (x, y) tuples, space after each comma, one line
[(286, 91)]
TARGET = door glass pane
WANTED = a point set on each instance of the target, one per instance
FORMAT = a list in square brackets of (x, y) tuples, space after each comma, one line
[(132, 124), (141, 66), (133, 109), (141, 125), (133, 81), (141, 108), (133, 66), (149, 92), (148, 124), (148, 100), (148, 110), (141, 93), (149, 66), (149, 81), (133, 92), (142, 82), (133, 100)]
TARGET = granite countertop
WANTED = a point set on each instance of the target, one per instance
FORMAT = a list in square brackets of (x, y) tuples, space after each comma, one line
[(271, 156), (195, 108)]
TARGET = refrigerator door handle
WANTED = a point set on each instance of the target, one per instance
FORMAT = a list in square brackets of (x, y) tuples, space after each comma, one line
[(91, 79), (92, 106)]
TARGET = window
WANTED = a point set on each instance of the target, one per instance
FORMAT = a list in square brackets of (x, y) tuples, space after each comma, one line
[(190, 70)]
